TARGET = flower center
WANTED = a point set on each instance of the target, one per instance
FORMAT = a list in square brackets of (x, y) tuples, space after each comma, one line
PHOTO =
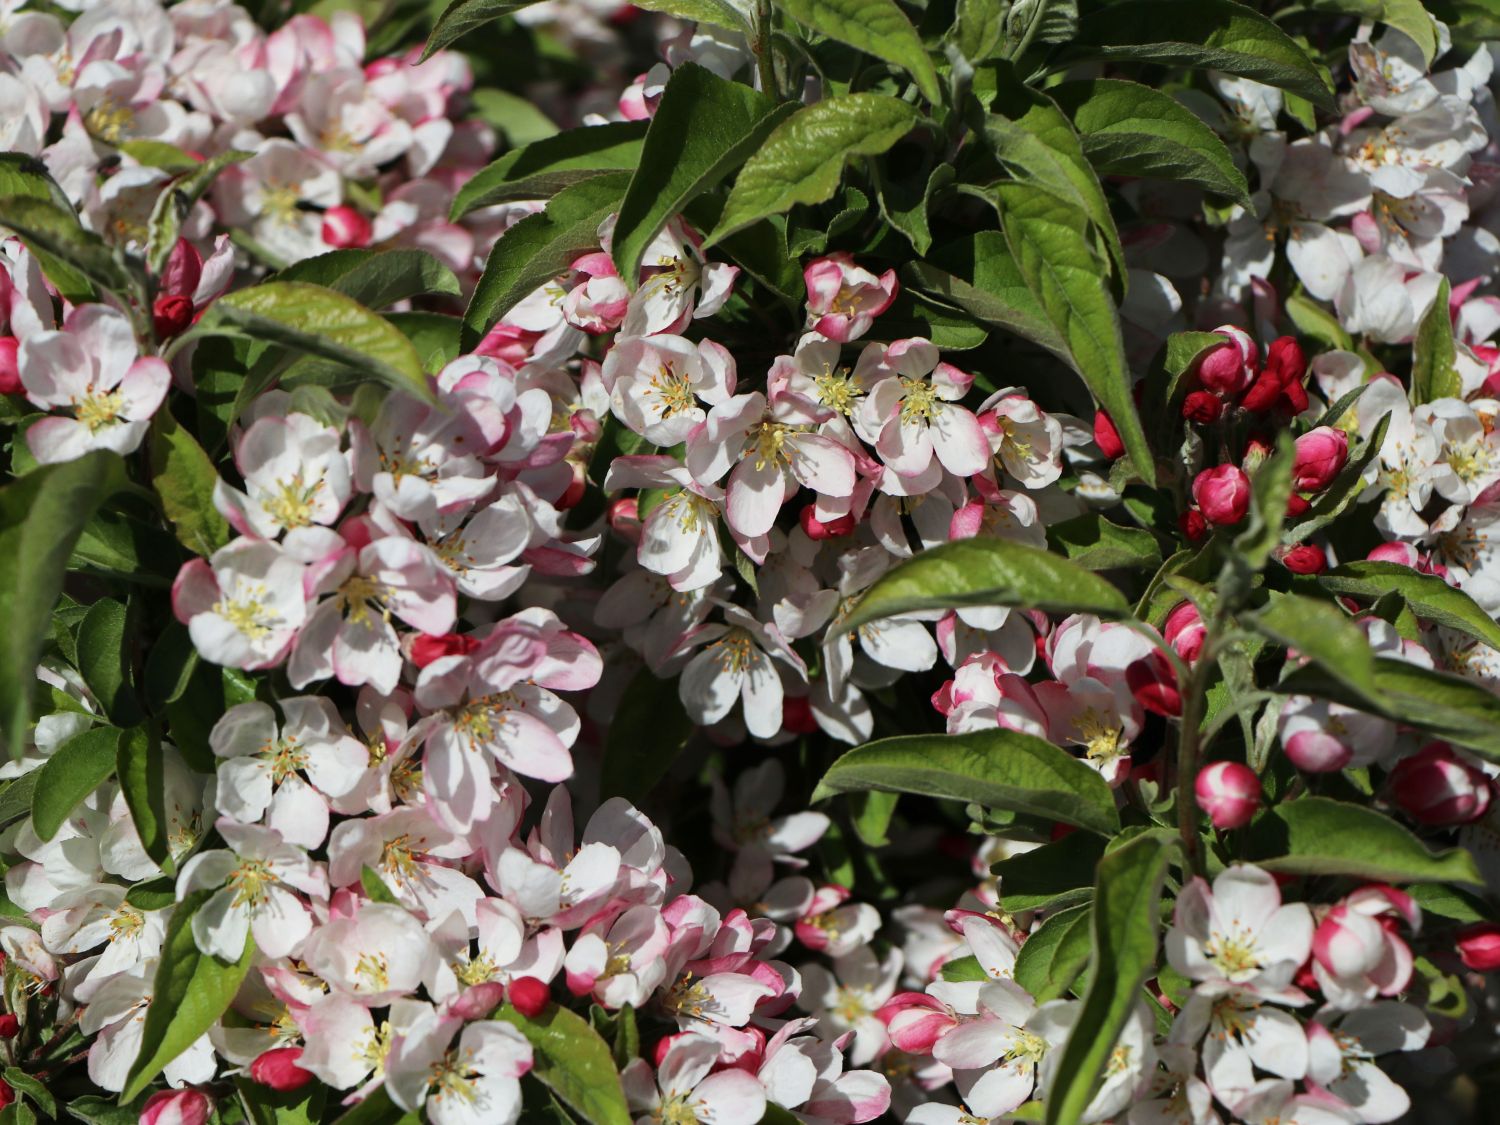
[(98, 409), (360, 596), (921, 402), (247, 612), (292, 505)]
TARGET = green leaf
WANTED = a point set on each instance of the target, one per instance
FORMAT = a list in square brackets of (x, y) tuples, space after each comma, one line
[(184, 478), (647, 732), (703, 129), (26, 177), (376, 278), (300, 1106), (375, 887), (378, 1109), (16, 797), (1055, 954), (104, 660), (436, 336), (803, 159), (1126, 926), (32, 1087), (78, 767), (1036, 143), (543, 168), (1132, 130), (1312, 319), (1212, 34), (463, 16), (1455, 709), (716, 12), (573, 1062), (314, 320), (1434, 369), (979, 276), (876, 27), (1270, 491), (154, 894), (103, 1111), (192, 990), (1428, 595), (41, 517), (986, 572), (1317, 836), (1321, 632), (1094, 543), (538, 248), (176, 200), (514, 116), (999, 769), (1040, 21), (1047, 238), (120, 546), (138, 766), (964, 969), (1448, 902), (1407, 16), (978, 28), (54, 233)]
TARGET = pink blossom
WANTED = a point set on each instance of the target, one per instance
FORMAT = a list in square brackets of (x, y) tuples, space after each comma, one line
[(844, 299)]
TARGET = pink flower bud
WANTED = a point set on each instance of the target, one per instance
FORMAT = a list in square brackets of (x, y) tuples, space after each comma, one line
[(797, 715), (1402, 553), (1348, 943), (176, 1107), (1304, 558), (1317, 751), (1479, 946), (529, 996), (1230, 367), (10, 370), (1202, 407), (1434, 786), (344, 228), (1153, 683), (1106, 437), (478, 1001), (1222, 494), (1320, 456), (915, 1021), (278, 1069), (625, 518), (1228, 792), (1184, 631)]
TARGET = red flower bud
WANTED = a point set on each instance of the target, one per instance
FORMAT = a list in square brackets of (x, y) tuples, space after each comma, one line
[(1106, 437), (278, 1069), (344, 228), (1222, 494), (1228, 368), (1153, 683), (1228, 792), (1296, 505), (1202, 407), (1479, 946), (10, 370), (10, 1026), (176, 1107), (1435, 786), (797, 715), (426, 649), (817, 529), (170, 316), (1193, 526), (7, 1093), (1304, 558), (529, 996), (1320, 455)]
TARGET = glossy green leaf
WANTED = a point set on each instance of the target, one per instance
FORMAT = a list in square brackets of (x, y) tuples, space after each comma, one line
[(75, 769), (540, 247), (877, 27), (138, 766), (964, 969), (1126, 923), (192, 990), (1318, 836), (999, 769), (646, 733), (314, 320), (1055, 954), (979, 276), (41, 517), (720, 13), (543, 168), (986, 572), (1055, 876), (463, 16), (1132, 130), (573, 1062), (1047, 237), (514, 116), (1434, 369), (1094, 543), (1312, 319), (1212, 34), (1410, 17), (184, 479), (803, 159), (105, 660), (1428, 595), (376, 278), (704, 128), (377, 1109)]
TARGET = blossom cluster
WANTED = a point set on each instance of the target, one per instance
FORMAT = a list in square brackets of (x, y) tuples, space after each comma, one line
[(440, 598)]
